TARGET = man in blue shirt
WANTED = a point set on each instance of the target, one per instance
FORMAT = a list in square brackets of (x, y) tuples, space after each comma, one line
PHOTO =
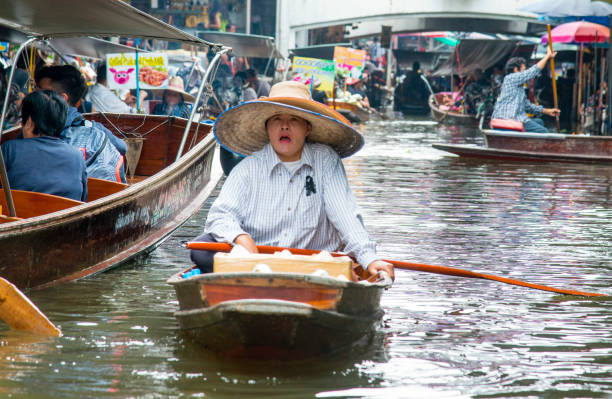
[(513, 104), (102, 150), (41, 161)]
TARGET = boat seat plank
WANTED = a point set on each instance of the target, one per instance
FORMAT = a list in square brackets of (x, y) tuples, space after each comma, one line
[(98, 188), (30, 204)]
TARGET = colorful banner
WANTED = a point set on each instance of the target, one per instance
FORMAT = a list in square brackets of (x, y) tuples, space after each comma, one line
[(349, 61), (152, 70), (305, 69), (4, 47)]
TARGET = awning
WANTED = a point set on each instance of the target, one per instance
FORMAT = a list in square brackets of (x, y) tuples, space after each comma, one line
[(74, 18), (471, 55), (321, 51), (88, 47), (244, 45)]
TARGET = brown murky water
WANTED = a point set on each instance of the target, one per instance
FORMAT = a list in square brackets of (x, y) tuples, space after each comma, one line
[(442, 337)]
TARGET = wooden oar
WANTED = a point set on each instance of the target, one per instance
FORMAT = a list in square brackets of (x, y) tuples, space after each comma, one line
[(449, 271), (21, 314), (554, 78)]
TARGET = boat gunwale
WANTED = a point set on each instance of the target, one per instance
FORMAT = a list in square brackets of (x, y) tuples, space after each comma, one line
[(332, 282)]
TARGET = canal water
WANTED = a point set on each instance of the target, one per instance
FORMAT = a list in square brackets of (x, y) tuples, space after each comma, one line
[(441, 336)]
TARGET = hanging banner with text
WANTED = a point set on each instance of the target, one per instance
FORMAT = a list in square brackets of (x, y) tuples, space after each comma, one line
[(152, 70), (321, 72), (349, 62)]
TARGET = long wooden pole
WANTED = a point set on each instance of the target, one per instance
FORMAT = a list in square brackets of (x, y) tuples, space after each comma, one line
[(579, 101), (449, 271), (554, 78)]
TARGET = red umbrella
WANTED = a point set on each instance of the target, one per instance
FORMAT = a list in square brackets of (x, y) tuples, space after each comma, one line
[(579, 32)]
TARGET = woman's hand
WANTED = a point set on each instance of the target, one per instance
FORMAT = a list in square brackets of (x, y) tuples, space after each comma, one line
[(247, 242), (381, 265)]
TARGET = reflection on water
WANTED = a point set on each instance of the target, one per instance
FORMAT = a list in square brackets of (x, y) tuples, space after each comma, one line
[(441, 336)]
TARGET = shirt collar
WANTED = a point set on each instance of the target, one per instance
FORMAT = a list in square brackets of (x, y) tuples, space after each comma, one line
[(272, 160)]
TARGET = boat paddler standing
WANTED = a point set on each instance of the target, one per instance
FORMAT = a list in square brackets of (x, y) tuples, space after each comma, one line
[(513, 104), (291, 190)]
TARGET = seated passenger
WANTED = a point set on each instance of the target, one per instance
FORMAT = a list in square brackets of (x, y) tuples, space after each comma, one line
[(512, 102), (102, 150), (173, 102), (41, 161)]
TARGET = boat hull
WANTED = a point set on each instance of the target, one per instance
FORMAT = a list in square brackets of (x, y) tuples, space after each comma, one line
[(473, 151), (537, 147), (299, 316), (92, 237), (550, 143)]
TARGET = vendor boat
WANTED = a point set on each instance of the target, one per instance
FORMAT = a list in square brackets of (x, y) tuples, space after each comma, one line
[(280, 315)]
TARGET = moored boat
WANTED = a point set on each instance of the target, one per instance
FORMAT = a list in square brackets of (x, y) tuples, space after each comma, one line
[(351, 111), (537, 147), (447, 114), (47, 239), (277, 315), (54, 239)]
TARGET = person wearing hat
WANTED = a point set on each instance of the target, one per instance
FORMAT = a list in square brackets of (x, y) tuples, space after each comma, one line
[(291, 190), (355, 87), (174, 100), (513, 104)]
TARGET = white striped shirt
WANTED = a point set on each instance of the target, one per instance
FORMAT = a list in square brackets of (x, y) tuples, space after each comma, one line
[(262, 198)]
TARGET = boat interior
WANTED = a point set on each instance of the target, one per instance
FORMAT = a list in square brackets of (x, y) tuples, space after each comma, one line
[(153, 142)]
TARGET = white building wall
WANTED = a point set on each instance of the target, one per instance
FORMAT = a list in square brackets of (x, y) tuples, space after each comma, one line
[(301, 15)]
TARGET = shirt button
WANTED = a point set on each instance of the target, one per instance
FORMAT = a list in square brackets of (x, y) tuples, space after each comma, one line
[(288, 209), (290, 180)]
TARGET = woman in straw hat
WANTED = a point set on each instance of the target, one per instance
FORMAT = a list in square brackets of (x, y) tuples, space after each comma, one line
[(291, 189), (174, 100)]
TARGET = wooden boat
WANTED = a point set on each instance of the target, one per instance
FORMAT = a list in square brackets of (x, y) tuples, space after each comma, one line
[(449, 116), (537, 147), (54, 239), (50, 239), (352, 112), (277, 315)]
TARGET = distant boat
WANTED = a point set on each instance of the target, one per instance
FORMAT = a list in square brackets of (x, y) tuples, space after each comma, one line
[(536, 147), (351, 111), (446, 114)]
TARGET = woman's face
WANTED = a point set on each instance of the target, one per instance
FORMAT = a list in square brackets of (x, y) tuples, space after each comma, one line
[(287, 134), (172, 97)]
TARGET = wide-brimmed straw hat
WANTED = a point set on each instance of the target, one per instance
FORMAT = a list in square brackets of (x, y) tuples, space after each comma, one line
[(175, 84), (242, 129)]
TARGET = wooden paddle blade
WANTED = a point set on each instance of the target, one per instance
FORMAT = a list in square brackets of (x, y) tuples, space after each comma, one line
[(451, 271), (20, 313)]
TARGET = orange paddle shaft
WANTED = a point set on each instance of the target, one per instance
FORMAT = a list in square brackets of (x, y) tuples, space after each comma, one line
[(449, 271)]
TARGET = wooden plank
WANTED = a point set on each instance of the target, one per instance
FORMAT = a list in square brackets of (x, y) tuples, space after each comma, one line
[(30, 204), (98, 188), (303, 264)]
